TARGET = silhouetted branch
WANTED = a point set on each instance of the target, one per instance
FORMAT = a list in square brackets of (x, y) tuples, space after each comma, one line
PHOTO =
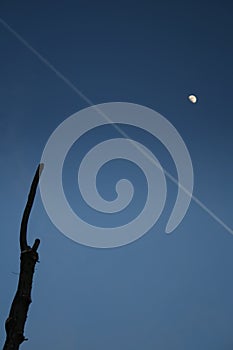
[(18, 313), (27, 210)]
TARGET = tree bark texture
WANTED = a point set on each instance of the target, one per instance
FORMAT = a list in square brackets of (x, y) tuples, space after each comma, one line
[(15, 323)]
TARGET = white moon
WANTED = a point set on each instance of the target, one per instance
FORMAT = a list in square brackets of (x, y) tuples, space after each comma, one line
[(192, 98)]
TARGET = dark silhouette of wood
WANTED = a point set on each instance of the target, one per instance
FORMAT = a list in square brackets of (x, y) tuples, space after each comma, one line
[(15, 323)]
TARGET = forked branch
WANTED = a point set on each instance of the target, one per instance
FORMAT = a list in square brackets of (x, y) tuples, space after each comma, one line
[(28, 208), (18, 313)]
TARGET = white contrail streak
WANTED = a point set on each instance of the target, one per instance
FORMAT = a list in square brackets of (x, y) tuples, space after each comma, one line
[(90, 103)]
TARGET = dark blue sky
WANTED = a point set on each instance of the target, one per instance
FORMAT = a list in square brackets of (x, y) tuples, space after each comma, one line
[(162, 291)]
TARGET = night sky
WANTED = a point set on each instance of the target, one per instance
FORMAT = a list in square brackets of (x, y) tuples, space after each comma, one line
[(166, 292)]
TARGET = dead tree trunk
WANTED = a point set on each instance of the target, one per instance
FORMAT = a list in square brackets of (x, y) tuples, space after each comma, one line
[(15, 323)]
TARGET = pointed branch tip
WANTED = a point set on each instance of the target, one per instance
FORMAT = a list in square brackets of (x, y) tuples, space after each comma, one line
[(41, 168)]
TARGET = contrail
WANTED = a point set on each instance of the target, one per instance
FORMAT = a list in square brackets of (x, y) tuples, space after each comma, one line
[(90, 103)]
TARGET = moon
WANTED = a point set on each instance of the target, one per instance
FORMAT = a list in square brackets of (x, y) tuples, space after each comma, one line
[(192, 98)]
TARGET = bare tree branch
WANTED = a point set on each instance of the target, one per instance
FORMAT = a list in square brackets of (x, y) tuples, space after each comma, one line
[(18, 313), (27, 210)]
